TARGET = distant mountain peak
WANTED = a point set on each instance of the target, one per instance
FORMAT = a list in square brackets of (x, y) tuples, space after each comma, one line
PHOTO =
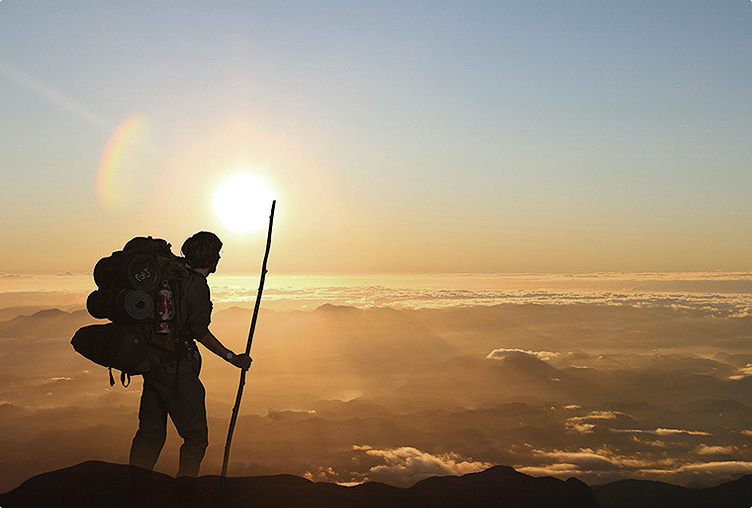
[(49, 312), (525, 362), (328, 307), (46, 323)]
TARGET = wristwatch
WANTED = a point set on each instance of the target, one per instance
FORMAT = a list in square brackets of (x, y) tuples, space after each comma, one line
[(229, 355)]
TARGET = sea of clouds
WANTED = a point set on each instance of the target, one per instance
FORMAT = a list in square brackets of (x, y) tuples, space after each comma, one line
[(725, 294)]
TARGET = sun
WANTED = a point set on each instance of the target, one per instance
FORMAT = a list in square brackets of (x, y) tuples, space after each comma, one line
[(242, 202)]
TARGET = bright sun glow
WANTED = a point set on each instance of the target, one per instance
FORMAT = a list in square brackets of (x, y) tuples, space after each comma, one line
[(242, 202)]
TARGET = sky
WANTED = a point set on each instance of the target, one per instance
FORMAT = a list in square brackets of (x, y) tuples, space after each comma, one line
[(398, 137)]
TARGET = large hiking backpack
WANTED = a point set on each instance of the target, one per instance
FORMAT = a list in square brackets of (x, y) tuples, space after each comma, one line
[(140, 291)]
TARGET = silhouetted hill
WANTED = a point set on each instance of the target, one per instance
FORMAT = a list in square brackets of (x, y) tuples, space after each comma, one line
[(341, 309), (103, 484), (648, 494), (45, 324), (525, 366), (96, 483), (7, 313), (500, 486)]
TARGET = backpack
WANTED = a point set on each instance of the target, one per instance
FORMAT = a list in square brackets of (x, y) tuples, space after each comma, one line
[(140, 291)]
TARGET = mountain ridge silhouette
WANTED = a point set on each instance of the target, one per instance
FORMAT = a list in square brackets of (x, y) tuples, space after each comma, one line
[(45, 324), (95, 483)]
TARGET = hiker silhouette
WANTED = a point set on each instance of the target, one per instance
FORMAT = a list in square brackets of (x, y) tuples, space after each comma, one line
[(173, 388)]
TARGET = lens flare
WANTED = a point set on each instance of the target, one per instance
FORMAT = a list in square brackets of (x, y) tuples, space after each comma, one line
[(112, 156)]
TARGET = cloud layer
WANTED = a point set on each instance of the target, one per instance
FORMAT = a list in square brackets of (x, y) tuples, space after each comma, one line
[(715, 293), (596, 391)]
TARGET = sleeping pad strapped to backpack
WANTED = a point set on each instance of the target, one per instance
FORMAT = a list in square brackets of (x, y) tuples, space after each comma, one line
[(140, 291)]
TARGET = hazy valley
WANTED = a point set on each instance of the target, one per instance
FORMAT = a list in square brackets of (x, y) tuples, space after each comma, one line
[(343, 394)]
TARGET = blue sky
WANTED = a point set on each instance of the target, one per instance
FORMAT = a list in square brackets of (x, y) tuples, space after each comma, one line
[(540, 136)]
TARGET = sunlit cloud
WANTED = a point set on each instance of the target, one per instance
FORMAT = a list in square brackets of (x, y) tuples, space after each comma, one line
[(743, 372), (606, 415), (558, 470), (323, 474), (723, 468), (502, 352), (715, 450), (580, 427), (663, 432), (586, 424), (588, 463), (669, 432), (407, 465), (401, 467), (726, 467), (589, 459)]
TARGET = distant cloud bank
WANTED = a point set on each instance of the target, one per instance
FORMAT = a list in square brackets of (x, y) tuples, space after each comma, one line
[(720, 305), (713, 293), (721, 294)]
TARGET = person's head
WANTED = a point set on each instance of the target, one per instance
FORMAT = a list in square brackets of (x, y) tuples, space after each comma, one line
[(202, 250)]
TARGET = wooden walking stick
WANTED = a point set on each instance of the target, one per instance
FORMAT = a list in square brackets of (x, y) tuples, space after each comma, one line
[(236, 407)]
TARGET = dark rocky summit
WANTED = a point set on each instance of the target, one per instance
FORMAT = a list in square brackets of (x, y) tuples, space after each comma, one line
[(648, 494), (104, 484)]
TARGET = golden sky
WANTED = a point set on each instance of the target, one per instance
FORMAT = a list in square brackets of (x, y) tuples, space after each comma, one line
[(441, 138)]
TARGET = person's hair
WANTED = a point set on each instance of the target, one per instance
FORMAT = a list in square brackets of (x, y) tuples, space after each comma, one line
[(202, 249)]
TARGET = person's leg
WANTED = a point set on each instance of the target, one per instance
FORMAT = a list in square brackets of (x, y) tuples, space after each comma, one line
[(152, 427), (190, 422), (188, 414)]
